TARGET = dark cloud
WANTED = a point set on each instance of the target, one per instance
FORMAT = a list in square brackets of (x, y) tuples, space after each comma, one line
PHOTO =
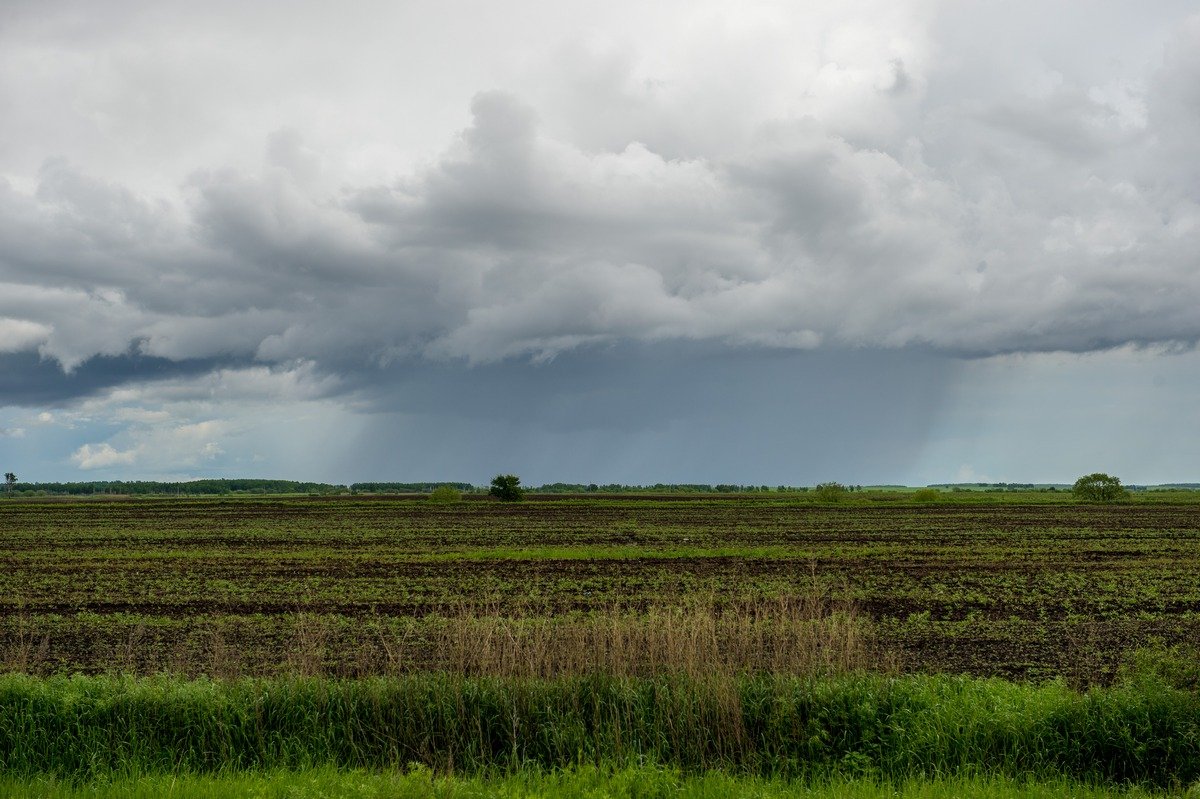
[(850, 211), (29, 380), (658, 412), (626, 241)]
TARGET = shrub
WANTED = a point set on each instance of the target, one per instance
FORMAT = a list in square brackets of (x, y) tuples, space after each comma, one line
[(926, 495), (1177, 667), (445, 495), (830, 492)]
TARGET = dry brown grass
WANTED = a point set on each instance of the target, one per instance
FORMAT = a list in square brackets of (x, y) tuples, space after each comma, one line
[(26, 648), (806, 634), (785, 635)]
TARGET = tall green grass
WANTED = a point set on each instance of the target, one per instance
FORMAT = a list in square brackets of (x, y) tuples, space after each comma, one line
[(644, 782), (895, 728)]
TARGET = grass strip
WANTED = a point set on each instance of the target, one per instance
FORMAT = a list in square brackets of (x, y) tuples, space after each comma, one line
[(1143, 732), (646, 782)]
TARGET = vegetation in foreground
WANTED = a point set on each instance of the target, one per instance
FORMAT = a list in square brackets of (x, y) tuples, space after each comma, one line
[(588, 782), (1145, 731), (655, 648)]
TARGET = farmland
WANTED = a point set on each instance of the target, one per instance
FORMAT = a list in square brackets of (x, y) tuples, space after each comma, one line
[(1021, 590), (669, 644)]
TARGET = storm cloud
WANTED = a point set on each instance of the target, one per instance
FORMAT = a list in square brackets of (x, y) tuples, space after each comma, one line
[(346, 202)]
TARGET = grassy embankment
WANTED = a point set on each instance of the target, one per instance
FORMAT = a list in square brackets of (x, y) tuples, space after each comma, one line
[(645, 782), (1144, 731)]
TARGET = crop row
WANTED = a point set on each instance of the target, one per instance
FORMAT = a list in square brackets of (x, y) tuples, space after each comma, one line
[(1028, 590)]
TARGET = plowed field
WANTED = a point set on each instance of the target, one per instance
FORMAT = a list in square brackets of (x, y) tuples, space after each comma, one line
[(1033, 590)]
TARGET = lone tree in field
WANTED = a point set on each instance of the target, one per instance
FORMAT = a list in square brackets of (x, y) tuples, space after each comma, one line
[(1099, 487), (507, 488), (10, 480)]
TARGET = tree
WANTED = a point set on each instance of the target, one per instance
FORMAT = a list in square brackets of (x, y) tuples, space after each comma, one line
[(1099, 487), (507, 488), (10, 480)]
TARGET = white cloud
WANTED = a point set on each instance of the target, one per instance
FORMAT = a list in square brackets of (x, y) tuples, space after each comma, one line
[(100, 456), (293, 382), (157, 442), (20, 334), (865, 174)]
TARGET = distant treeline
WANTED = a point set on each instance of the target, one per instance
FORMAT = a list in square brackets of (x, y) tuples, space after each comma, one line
[(219, 487), (657, 488), (1054, 487), (575, 488), (406, 488), (1008, 486), (189, 488)]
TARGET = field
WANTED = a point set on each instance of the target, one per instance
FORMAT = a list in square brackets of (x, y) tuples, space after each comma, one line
[(238, 586), (856, 613)]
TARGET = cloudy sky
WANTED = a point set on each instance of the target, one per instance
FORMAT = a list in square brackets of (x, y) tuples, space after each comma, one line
[(636, 242)]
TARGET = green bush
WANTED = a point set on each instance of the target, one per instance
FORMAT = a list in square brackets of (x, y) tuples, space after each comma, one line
[(926, 495), (830, 492), (445, 495), (1176, 667)]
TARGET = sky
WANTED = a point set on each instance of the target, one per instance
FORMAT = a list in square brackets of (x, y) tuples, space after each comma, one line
[(872, 242)]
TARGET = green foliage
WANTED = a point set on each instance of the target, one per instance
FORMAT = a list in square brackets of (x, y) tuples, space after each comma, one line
[(445, 495), (1099, 487), (829, 492), (588, 781), (926, 495), (214, 487), (1177, 667), (405, 488), (507, 488), (890, 728), (660, 488)]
